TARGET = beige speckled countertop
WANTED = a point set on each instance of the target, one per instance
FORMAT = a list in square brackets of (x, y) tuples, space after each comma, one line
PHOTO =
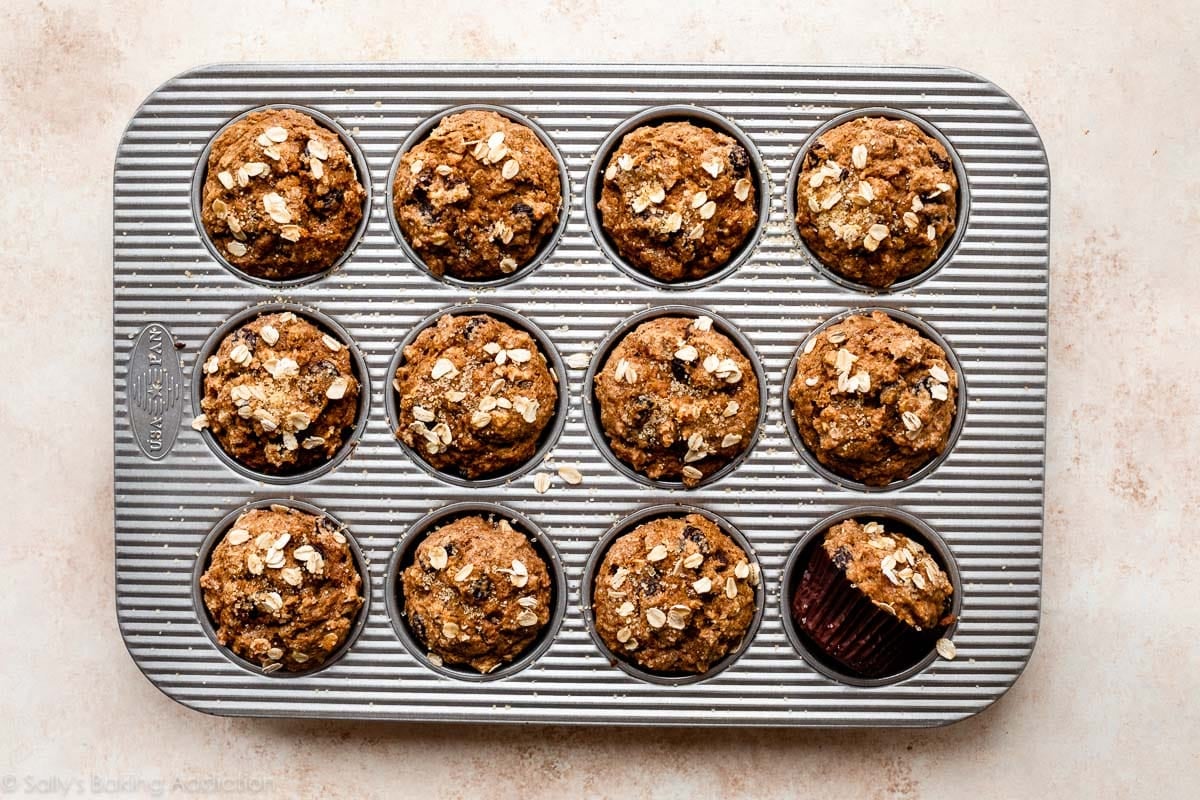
[(1108, 706)]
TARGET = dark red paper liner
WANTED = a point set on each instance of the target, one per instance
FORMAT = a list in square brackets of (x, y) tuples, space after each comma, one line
[(848, 628)]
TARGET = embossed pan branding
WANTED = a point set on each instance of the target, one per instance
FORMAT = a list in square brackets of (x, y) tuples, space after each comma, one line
[(155, 391)]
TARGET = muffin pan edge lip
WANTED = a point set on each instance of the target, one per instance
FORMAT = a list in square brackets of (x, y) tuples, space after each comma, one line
[(591, 411), (963, 195), (657, 115), (625, 525), (361, 168), (217, 533), (548, 438), (358, 364), (912, 524), (960, 406), (538, 539), (544, 252)]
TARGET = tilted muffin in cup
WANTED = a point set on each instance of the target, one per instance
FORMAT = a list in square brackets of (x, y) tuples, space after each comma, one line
[(874, 400), (678, 200), (477, 593), (281, 197), (282, 589), (280, 394), (674, 595), (873, 601), (478, 198), (877, 200)]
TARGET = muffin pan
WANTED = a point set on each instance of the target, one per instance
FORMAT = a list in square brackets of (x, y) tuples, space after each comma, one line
[(986, 298)]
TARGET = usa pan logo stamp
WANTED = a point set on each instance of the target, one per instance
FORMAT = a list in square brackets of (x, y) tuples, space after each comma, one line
[(154, 389)]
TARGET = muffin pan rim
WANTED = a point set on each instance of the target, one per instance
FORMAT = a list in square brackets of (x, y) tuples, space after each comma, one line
[(615, 335), (927, 331), (217, 533), (549, 437), (658, 115), (361, 168), (911, 524), (357, 362), (419, 134), (418, 530), (627, 524)]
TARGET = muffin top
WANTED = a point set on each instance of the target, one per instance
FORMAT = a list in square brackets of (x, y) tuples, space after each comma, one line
[(280, 395), (281, 197), (477, 593), (877, 200), (896, 573), (478, 198), (282, 588), (873, 399), (678, 200), (475, 395), (677, 399), (675, 594)]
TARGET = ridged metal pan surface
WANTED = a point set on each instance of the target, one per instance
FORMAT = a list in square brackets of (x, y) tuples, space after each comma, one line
[(988, 300)]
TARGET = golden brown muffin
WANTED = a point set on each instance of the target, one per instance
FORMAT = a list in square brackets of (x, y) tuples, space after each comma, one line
[(474, 395), (282, 589), (674, 595), (479, 197), (281, 197), (678, 200), (873, 399), (280, 395), (677, 400), (877, 200), (477, 593)]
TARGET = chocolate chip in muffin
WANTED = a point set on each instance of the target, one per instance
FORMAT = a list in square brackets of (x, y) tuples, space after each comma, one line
[(281, 196)]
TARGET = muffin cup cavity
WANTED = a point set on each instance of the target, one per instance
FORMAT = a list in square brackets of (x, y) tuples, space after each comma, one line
[(405, 552), (597, 557), (701, 117), (213, 343), (549, 436), (898, 521), (420, 134), (591, 411), (960, 222), (360, 167), (214, 537), (960, 408)]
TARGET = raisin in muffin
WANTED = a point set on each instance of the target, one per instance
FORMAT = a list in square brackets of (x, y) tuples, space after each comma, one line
[(674, 595), (877, 200), (281, 197), (477, 593), (677, 400), (678, 200), (873, 399), (282, 589), (280, 395), (479, 197), (474, 395)]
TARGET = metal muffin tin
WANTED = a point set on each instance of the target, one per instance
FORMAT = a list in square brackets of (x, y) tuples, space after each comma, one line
[(987, 300)]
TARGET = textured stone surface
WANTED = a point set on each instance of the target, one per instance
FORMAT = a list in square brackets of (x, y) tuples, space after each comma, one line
[(1123, 482)]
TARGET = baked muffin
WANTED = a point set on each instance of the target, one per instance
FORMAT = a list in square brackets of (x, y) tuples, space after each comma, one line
[(282, 589), (281, 197), (874, 601), (474, 395), (877, 200), (477, 593), (674, 595), (678, 200), (873, 399), (479, 197), (677, 400), (280, 396)]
